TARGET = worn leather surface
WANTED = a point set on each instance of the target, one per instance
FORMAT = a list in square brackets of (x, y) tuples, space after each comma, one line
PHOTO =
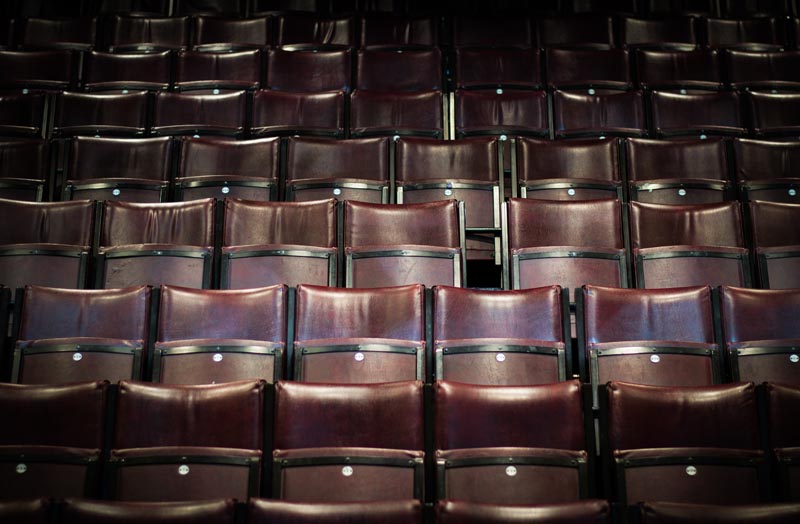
[(592, 159), (157, 32), (502, 67), (81, 113), (654, 225), (618, 113), (76, 511), (679, 69), (763, 160), (52, 69), (180, 223), (310, 158), (187, 113), (581, 512), (766, 70), (512, 111), (397, 31), (420, 160), (68, 223), (430, 224), (661, 33), (238, 69), (399, 69), (100, 158), (676, 160), (263, 511), (280, 112), (773, 224), (309, 29), (589, 30), (675, 113), (127, 71), (393, 112), (679, 513), (759, 314), (209, 156), (742, 33), (599, 68), (471, 31), (298, 223), (307, 70), (240, 32), (774, 114)]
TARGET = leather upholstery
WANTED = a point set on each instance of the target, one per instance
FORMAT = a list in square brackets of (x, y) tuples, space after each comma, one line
[(233, 70), (311, 159), (312, 71), (600, 114), (307, 29), (210, 7), (590, 31), (678, 513), (581, 512), (22, 114), (673, 69), (33, 511), (103, 71), (184, 113), (754, 33), (759, 314), (76, 511), (66, 223), (43, 33), (52, 69), (98, 114), (584, 68), (296, 223), (23, 160), (763, 70), (430, 224), (774, 114), (138, 32), (478, 67), (104, 158), (395, 31), (706, 113), (784, 407), (390, 112), (768, 161), (283, 112), (236, 32), (263, 511), (180, 223), (699, 225), (660, 33), (772, 224), (399, 70), (489, 32), (511, 111)]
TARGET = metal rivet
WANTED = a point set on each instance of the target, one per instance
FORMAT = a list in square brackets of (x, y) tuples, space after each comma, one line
[(601, 137), (774, 91), (125, 91), (571, 192), (499, 91), (792, 192), (21, 468), (448, 192), (794, 359), (97, 136), (159, 253), (25, 91), (195, 136), (503, 138), (347, 471), (217, 357), (655, 359), (359, 357), (225, 190), (116, 192), (592, 91), (183, 469), (77, 357), (681, 192), (215, 91), (511, 471), (396, 138), (691, 471), (703, 137), (683, 91), (337, 191), (500, 357)]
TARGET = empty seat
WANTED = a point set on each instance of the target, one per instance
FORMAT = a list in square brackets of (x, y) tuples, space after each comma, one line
[(760, 336), (311, 30), (565, 243), (25, 71), (581, 512), (354, 169), (677, 513), (679, 70), (684, 444), (134, 170), (79, 335), (688, 245), (399, 69), (768, 170), (764, 71), (756, 34), (45, 244), (584, 31), (774, 114), (289, 6), (147, 7), (196, 114), (682, 7), (343, 443), (52, 449), (698, 114), (24, 169), (264, 511), (210, 7), (398, 31), (187, 442), (599, 114), (30, 511), (519, 461), (56, 33), (145, 34), (578, 169), (359, 335), (755, 8), (289, 113), (309, 70), (392, 245), (126, 72), (215, 33), (504, 338), (501, 112), (210, 337), (217, 72), (397, 113), (783, 407), (776, 242), (101, 114), (267, 243), (75, 511), (483, 68), (166, 243), (625, 7), (223, 167), (661, 337), (588, 69), (22, 115), (686, 171), (675, 32), (471, 31)]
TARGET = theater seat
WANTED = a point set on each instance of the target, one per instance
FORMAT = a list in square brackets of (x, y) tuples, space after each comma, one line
[(767, 169), (582, 512), (776, 243), (76, 511), (677, 513)]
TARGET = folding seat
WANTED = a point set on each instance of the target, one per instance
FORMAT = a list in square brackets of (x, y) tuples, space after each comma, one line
[(697, 445), (215, 72), (783, 408), (223, 167), (361, 336), (145, 34), (474, 31), (580, 512), (491, 68), (134, 7), (210, 337), (681, 71), (6, 32), (376, 113), (399, 69), (776, 242), (588, 69), (24, 169), (685, 171), (196, 114), (354, 169), (214, 33), (566, 243), (520, 461), (311, 30), (265, 511), (662, 337), (578, 169), (755, 8), (774, 114), (53, 446), (676, 114), (765, 71), (75, 511), (677, 513), (101, 114), (688, 245), (768, 170), (56, 33), (348, 442), (289, 113), (398, 31), (31, 511), (599, 114), (754, 34), (504, 338), (165, 243), (267, 243), (677, 33), (393, 245), (125, 72), (681, 7), (139, 169), (309, 70), (230, 8), (179, 443), (760, 335), (501, 112), (23, 115), (26, 71), (625, 7), (272, 7), (590, 31), (45, 244)]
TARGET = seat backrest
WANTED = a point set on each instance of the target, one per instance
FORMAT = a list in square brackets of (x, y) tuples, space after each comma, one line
[(595, 31), (464, 411), (492, 32), (77, 511), (399, 69), (206, 156), (211, 7), (746, 67), (89, 113), (577, 113), (24, 158), (774, 113), (572, 68), (650, 159), (309, 70), (22, 114), (241, 68), (540, 159), (30, 511), (659, 32), (388, 415), (52, 69), (222, 415), (784, 408), (671, 69), (263, 511), (765, 160), (356, 158), (398, 31), (93, 157), (188, 112), (248, 314), (681, 513), (309, 29), (63, 33), (759, 314), (676, 113), (501, 111), (732, 32), (69, 223), (180, 223), (142, 31), (70, 415), (425, 159), (429, 224), (127, 70), (477, 67), (299, 223), (240, 32), (774, 224), (579, 512), (654, 225)]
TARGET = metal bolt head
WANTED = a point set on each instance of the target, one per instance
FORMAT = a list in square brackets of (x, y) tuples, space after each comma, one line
[(347, 471), (511, 471), (77, 357)]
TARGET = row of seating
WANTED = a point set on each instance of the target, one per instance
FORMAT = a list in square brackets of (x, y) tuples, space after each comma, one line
[(362, 442), (673, 337), (122, 33)]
